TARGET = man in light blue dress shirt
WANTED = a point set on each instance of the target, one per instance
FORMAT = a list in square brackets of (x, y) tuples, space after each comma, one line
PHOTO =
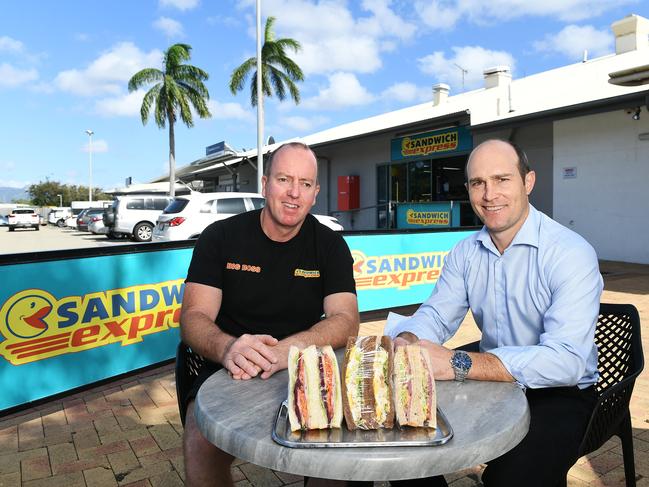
[(533, 287)]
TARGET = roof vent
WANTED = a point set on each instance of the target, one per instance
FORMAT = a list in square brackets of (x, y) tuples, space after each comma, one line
[(497, 76), (440, 93), (631, 33)]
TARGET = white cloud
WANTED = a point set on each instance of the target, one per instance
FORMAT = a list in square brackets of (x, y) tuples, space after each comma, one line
[(444, 14), (406, 92), (9, 44), (344, 90), (98, 145), (109, 73), (123, 105), (474, 59), (11, 76), (180, 4), (572, 40), (303, 124), (229, 111), (332, 39), (169, 27)]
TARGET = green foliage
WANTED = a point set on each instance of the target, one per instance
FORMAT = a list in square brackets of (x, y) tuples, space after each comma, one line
[(177, 88), (279, 71), (45, 193)]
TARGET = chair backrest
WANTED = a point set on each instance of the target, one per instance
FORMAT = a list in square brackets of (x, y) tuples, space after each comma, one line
[(619, 347), (620, 361)]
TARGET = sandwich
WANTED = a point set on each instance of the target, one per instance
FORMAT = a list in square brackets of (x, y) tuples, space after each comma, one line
[(414, 387), (367, 386), (314, 395)]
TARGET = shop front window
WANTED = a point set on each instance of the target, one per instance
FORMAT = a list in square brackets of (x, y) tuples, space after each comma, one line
[(419, 181), (399, 183)]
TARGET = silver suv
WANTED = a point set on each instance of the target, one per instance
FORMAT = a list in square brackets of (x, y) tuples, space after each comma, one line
[(134, 215)]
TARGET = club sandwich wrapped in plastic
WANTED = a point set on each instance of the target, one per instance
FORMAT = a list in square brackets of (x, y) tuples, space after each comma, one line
[(314, 393), (367, 383), (414, 387)]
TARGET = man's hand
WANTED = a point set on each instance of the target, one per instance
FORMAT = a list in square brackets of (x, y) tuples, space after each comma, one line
[(440, 358), (245, 357)]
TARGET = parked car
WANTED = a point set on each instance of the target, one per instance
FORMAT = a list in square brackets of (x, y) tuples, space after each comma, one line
[(188, 215), (58, 216), (96, 225), (4, 221), (134, 215), (23, 218), (330, 221), (83, 219)]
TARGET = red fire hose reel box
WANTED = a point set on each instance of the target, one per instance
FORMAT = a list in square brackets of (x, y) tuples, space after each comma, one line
[(349, 192)]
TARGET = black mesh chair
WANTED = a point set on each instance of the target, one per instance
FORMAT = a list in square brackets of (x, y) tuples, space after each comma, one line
[(188, 363), (620, 361)]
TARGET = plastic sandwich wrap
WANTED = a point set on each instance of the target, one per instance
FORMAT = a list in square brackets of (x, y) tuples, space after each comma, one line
[(367, 383), (414, 387)]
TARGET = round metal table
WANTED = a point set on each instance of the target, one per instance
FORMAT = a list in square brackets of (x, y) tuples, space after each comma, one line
[(488, 419)]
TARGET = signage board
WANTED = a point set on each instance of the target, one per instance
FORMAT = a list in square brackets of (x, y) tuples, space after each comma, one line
[(439, 143)]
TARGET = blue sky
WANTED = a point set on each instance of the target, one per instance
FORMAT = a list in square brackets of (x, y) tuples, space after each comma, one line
[(65, 65)]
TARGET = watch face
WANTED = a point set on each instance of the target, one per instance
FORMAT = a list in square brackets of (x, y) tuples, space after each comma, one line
[(461, 360)]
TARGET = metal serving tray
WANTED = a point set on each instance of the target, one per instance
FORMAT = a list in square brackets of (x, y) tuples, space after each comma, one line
[(343, 438)]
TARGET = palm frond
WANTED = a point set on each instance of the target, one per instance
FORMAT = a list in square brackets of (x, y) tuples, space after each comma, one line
[(150, 98), (144, 77), (239, 75), (268, 30)]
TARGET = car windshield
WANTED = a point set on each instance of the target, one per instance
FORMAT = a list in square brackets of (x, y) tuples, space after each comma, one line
[(176, 206), (22, 212)]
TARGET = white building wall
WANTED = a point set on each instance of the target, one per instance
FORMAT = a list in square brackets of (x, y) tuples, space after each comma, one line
[(359, 157), (607, 201)]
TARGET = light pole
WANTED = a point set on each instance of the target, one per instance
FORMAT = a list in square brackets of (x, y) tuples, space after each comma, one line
[(90, 134), (60, 200), (260, 105)]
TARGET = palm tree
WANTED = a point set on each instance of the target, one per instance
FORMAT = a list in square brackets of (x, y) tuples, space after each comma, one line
[(278, 69), (177, 87)]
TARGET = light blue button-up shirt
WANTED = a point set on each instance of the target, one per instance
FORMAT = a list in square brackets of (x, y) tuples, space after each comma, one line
[(536, 304)]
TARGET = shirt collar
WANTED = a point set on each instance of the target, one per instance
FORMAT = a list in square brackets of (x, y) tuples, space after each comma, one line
[(527, 235)]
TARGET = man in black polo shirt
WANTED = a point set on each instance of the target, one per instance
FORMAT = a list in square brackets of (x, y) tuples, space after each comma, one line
[(258, 283)]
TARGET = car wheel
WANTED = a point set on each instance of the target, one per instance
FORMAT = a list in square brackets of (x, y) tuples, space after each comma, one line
[(37, 228), (60, 223), (142, 232), (11, 229)]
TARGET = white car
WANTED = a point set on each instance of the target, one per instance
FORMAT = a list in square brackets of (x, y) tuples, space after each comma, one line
[(187, 216)]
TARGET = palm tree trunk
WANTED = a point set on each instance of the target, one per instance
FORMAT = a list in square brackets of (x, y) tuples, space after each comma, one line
[(172, 159)]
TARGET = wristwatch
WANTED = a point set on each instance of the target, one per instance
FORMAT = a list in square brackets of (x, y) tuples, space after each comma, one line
[(461, 363)]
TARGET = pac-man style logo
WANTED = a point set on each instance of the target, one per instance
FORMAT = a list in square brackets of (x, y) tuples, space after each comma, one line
[(27, 315), (36, 325), (400, 271)]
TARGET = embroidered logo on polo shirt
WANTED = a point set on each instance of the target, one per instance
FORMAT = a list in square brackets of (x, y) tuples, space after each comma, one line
[(305, 273), (235, 266)]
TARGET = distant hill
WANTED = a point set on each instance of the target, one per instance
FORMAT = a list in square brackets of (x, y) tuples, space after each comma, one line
[(7, 195)]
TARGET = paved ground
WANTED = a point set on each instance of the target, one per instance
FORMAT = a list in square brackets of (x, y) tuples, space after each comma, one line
[(50, 237), (128, 433)]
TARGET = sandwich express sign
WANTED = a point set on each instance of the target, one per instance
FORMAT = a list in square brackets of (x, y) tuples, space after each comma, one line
[(69, 322)]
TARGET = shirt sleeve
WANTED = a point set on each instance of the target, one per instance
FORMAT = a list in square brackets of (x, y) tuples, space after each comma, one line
[(206, 266), (338, 268), (439, 317), (567, 340)]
